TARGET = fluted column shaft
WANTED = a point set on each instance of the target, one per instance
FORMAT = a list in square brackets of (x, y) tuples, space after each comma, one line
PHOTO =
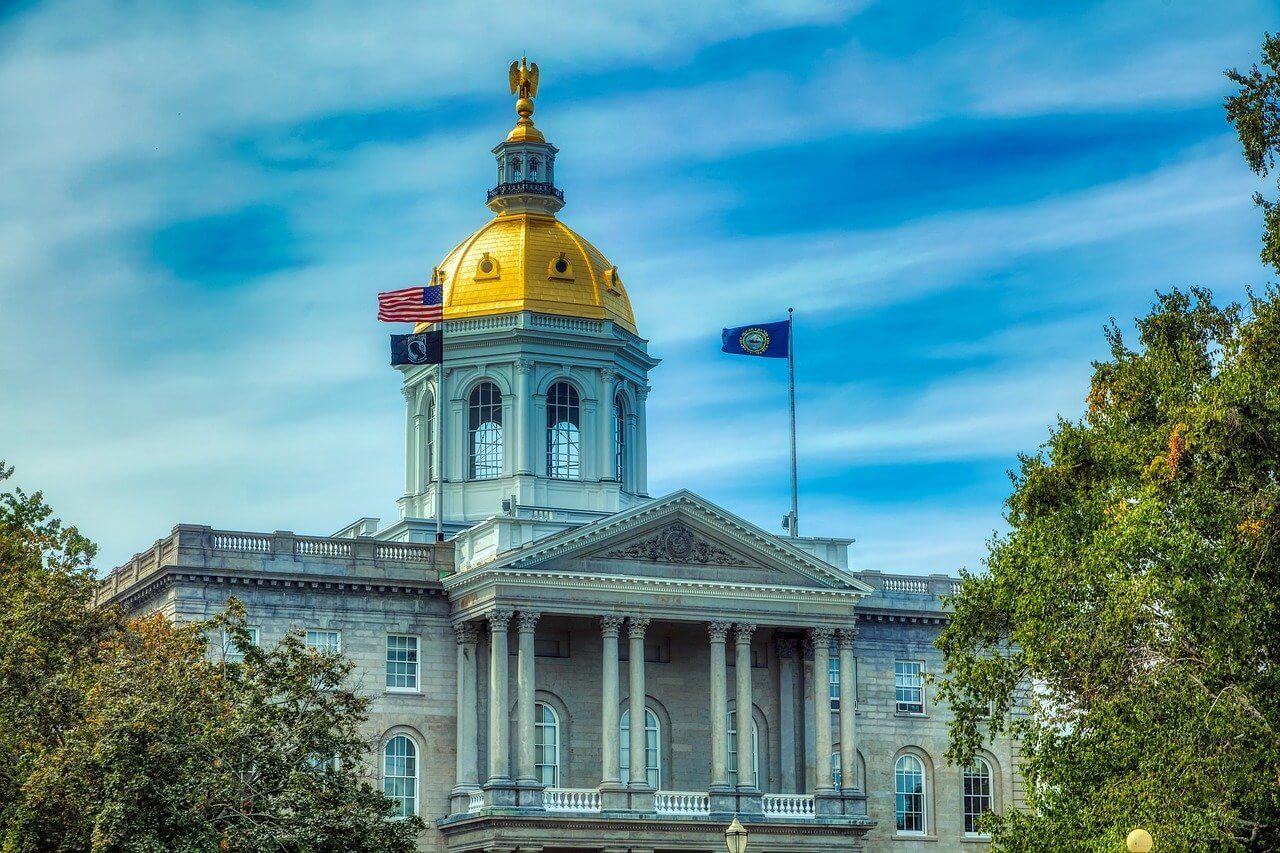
[(526, 622), (524, 417), (499, 716), (606, 442), (719, 707), (745, 706), (848, 706), (636, 626), (468, 708), (609, 699), (821, 640)]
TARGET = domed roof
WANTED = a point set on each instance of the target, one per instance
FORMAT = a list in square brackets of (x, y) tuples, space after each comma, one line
[(532, 262)]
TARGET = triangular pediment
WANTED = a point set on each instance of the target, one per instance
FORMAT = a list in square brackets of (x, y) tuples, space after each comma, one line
[(685, 536)]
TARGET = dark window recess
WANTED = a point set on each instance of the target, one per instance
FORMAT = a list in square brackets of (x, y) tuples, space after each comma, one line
[(655, 651), (554, 646), (759, 658)]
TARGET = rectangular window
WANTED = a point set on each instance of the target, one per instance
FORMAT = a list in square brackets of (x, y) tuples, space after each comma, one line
[(833, 681), (402, 662), (231, 653), (324, 641), (908, 682)]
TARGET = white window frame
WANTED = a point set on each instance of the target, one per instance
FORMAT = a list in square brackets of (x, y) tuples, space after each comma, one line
[(833, 681), (966, 775), (231, 654), (653, 772), (902, 687), (414, 687), (899, 813), (731, 749), (312, 640), (540, 729), (836, 771), (414, 756)]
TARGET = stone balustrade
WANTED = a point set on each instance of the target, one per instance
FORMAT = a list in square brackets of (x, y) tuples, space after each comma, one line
[(683, 803), (196, 548), (789, 805), (581, 800)]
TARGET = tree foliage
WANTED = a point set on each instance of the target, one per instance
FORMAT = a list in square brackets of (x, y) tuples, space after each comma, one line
[(1128, 628), (133, 736), (1255, 111)]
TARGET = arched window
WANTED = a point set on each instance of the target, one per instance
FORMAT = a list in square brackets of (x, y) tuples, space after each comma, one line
[(652, 747), (485, 431), (546, 745), (977, 794), (400, 775), (564, 447), (733, 751), (620, 439), (515, 169), (534, 164), (908, 776)]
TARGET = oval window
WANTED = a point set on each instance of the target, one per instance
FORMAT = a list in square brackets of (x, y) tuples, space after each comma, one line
[(562, 265)]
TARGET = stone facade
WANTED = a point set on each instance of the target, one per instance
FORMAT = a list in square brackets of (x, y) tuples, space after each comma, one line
[(677, 584)]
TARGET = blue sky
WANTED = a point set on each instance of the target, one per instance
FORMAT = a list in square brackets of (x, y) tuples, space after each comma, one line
[(200, 200)]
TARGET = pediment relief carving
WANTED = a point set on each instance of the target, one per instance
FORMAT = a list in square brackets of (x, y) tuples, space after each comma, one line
[(676, 543)]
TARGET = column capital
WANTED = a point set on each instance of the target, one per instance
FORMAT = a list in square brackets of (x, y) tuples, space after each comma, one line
[(607, 375), (466, 632), (524, 365), (718, 631), (787, 649), (818, 636), (642, 392), (636, 626), (527, 620), (845, 638), (742, 631), (409, 392), (611, 625), (499, 619)]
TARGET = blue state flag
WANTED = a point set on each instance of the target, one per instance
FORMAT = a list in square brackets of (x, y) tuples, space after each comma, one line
[(768, 340)]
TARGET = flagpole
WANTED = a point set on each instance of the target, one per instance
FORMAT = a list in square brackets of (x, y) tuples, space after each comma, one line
[(791, 390), (441, 406)]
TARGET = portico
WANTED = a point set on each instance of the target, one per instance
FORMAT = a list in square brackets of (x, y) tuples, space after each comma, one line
[(735, 601)]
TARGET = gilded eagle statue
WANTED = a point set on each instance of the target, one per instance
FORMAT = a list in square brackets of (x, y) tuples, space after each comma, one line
[(524, 78)]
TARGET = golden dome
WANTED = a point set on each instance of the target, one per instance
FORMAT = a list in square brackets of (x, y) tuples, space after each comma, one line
[(532, 262)]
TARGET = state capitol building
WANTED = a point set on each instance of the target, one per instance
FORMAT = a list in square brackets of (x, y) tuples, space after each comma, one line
[(578, 665)]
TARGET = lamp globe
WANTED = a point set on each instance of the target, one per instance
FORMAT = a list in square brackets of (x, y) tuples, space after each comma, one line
[(735, 837)]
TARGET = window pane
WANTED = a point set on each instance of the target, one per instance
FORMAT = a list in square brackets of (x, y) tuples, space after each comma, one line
[(564, 448), (909, 794), (485, 427), (546, 746), (400, 775), (619, 440), (977, 794), (833, 682), (908, 679), (232, 653), (402, 662), (324, 641), (653, 748)]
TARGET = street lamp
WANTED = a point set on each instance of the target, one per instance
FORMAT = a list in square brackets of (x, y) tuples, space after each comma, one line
[(735, 837), (1139, 841)]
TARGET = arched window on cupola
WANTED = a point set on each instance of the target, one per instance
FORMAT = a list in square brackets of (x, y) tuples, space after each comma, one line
[(534, 165), (516, 166), (620, 439), (564, 444), (485, 432)]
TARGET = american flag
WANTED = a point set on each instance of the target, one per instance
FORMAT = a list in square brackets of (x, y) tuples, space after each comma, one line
[(412, 305)]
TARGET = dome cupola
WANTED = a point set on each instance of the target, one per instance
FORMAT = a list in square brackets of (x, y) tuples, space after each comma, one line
[(526, 161)]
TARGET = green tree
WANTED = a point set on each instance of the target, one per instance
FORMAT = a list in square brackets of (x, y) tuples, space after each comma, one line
[(1255, 111), (1128, 629), (142, 739)]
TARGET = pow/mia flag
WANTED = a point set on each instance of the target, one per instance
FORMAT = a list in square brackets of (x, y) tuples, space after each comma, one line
[(424, 348)]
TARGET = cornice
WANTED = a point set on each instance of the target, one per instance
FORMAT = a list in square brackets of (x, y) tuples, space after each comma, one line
[(170, 576)]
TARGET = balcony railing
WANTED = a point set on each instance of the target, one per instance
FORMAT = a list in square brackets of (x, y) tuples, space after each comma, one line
[(683, 802), (526, 187), (788, 805), (580, 800), (476, 802)]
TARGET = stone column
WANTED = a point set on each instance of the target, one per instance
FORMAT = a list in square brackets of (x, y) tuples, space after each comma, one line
[(719, 719), (536, 435), (848, 705), (609, 699), (745, 713), (787, 715), (642, 441), (465, 774), (410, 476), (588, 451), (821, 640), (606, 442), (510, 438), (636, 626), (526, 622), (523, 421), (499, 715)]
